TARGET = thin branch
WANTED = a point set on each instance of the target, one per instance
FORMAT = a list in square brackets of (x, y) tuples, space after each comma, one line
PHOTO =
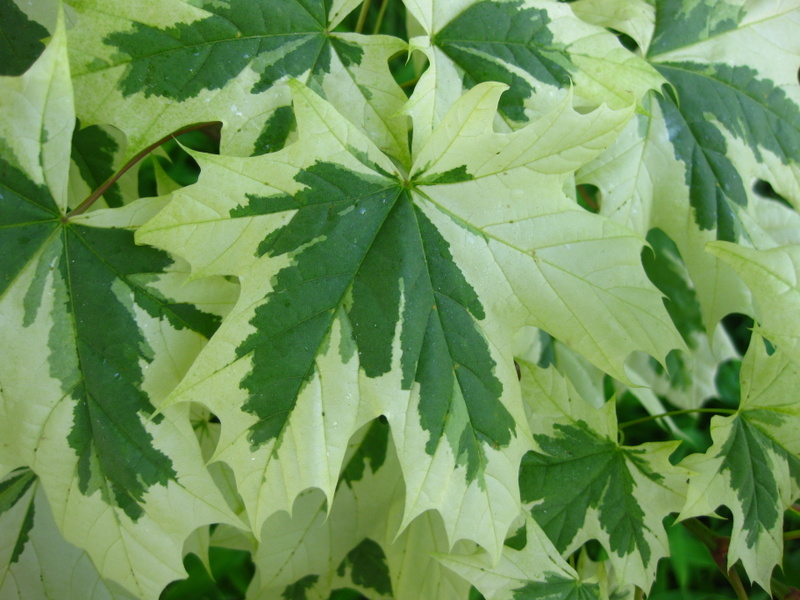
[(95, 195), (381, 14), (792, 535), (590, 202), (718, 546), (719, 411), (362, 16)]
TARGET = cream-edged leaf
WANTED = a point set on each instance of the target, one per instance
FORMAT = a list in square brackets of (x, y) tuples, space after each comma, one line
[(37, 138), (95, 329), (540, 49), (36, 563), (530, 568), (577, 265), (753, 466), (727, 123), (150, 72), (582, 484), (772, 276), (635, 18), (356, 544)]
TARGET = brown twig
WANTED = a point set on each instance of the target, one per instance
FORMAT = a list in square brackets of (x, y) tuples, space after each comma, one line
[(93, 197)]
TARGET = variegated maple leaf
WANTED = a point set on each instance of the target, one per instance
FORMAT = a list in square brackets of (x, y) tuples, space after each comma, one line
[(753, 466), (370, 290), (693, 162), (152, 69), (95, 330), (582, 484)]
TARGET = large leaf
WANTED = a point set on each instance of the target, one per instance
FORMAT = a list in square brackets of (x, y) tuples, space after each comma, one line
[(367, 293), (753, 466), (583, 484), (150, 72), (95, 329), (729, 118), (35, 561)]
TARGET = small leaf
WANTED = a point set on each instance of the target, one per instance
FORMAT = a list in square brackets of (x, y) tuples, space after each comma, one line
[(535, 571), (582, 484), (753, 466)]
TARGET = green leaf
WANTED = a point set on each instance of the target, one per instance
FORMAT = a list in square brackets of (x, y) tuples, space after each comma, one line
[(95, 329), (150, 73), (753, 466), (583, 484), (728, 118), (356, 544), (20, 40)]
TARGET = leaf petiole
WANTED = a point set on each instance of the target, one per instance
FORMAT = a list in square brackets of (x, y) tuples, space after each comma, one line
[(362, 16), (673, 413), (103, 188)]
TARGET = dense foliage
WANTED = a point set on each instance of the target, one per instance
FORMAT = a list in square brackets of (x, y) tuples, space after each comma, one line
[(446, 314)]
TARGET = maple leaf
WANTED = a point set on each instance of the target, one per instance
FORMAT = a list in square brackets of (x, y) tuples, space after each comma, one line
[(771, 275), (358, 299), (94, 330), (529, 568), (354, 541), (583, 484), (540, 49), (151, 72), (752, 466), (728, 119)]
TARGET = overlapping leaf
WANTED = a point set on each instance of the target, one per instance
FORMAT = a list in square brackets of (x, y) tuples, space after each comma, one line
[(582, 484), (753, 466), (636, 18), (772, 275), (540, 49), (150, 72), (94, 330), (355, 544), (689, 377), (529, 569), (366, 293), (21, 39), (729, 118), (35, 561)]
